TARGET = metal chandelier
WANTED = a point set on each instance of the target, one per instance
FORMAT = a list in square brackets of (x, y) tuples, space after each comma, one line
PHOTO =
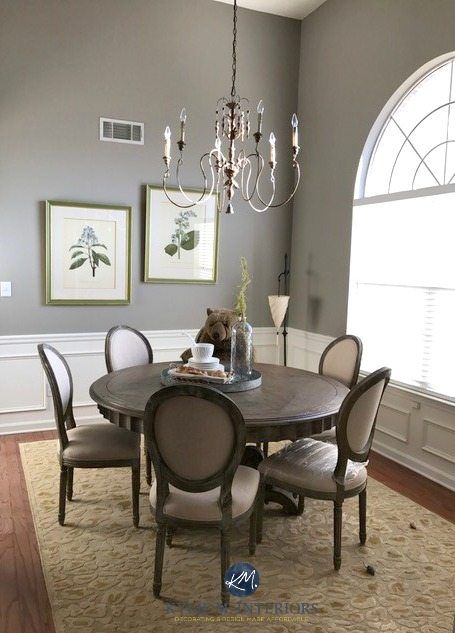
[(238, 168)]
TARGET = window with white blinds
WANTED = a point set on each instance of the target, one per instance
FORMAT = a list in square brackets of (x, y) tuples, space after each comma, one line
[(402, 276)]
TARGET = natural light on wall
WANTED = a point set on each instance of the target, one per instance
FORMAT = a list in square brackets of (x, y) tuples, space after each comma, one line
[(402, 277)]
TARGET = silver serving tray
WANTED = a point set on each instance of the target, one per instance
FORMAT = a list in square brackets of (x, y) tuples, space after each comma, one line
[(232, 385)]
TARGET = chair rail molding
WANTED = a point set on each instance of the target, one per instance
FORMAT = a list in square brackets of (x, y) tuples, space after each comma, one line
[(25, 398), (413, 429)]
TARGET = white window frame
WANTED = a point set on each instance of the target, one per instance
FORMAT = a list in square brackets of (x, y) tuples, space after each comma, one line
[(360, 199)]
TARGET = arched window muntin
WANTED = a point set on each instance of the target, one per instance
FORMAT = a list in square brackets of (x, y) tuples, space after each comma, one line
[(419, 154), (402, 275)]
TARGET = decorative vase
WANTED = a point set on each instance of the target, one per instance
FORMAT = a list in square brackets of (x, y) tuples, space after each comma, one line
[(241, 348)]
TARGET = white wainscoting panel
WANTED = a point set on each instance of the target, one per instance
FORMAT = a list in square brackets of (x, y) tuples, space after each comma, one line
[(415, 430), (25, 398)]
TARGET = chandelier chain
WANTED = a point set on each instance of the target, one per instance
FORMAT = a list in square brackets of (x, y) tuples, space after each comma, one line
[(234, 50)]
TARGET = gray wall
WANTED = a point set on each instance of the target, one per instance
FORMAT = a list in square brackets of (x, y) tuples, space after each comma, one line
[(354, 55), (65, 63)]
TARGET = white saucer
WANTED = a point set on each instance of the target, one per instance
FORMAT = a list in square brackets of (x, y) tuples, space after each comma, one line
[(213, 364)]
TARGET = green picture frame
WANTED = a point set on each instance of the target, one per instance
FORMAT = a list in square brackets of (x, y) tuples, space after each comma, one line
[(88, 253), (181, 244)]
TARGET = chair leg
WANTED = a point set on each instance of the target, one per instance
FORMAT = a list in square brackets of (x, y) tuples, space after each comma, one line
[(135, 490), (265, 449), (69, 487), (169, 534), (62, 495), (301, 505), (260, 512), (148, 468), (225, 557), (337, 525), (363, 516), (159, 555), (253, 529)]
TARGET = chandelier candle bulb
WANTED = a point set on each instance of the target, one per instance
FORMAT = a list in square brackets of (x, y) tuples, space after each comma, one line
[(260, 111), (272, 141), (167, 142), (295, 130), (182, 125)]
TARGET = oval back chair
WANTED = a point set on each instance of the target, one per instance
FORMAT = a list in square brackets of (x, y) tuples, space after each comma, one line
[(341, 359), (321, 470), (98, 445), (126, 347), (196, 438)]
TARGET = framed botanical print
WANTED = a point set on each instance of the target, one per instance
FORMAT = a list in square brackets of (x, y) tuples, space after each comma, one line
[(88, 253), (181, 244)]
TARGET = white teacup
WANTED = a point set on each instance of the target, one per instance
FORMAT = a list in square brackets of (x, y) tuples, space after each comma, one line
[(202, 351)]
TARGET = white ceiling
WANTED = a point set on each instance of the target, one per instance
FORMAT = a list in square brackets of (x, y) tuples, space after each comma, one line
[(290, 8)]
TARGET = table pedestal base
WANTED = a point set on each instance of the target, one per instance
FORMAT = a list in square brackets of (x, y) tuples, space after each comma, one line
[(285, 499), (252, 457)]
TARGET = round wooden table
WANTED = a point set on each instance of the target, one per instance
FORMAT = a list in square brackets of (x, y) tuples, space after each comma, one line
[(282, 408), (290, 403)]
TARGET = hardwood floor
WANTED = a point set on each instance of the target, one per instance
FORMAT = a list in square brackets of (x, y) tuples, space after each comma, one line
[(24, 605)]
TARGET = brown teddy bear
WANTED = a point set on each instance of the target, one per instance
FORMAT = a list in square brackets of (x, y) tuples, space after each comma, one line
[(217, 330)]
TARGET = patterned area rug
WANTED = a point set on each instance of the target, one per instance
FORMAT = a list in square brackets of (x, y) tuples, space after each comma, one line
[(99, 569)]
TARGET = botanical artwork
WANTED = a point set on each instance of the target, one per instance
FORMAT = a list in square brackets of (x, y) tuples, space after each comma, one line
[(84, 251), (181, 243), (88, 253), (182, 236)]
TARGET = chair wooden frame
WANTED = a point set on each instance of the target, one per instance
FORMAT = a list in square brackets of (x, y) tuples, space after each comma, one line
[(107, 355), (223, 478), (64, 420), (345, 453)]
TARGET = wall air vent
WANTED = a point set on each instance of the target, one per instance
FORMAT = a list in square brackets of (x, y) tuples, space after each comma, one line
[(119, 131)]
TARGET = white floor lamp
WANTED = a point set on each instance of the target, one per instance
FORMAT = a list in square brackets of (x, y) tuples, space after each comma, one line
[(278, 308)]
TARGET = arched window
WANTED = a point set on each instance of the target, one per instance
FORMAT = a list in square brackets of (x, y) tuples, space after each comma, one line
[(402, 278)]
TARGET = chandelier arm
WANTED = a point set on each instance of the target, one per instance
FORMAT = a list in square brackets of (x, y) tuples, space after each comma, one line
[(260, 164), (221, 198), (177, 173), (245, 185), (181, 206), (203, 198), (289, 198), (266, 206)]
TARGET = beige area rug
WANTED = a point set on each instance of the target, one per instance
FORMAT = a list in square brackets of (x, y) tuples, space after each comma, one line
[(99, 569)]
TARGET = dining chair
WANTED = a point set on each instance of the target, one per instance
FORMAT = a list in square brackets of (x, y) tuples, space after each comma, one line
[(340, 360), (310, 468), (196, 438), (98, 445), (126, 347)]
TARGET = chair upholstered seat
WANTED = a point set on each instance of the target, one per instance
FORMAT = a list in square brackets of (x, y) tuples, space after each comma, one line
[(309, 464), (204, 506), (101, 442), (330, 435)]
